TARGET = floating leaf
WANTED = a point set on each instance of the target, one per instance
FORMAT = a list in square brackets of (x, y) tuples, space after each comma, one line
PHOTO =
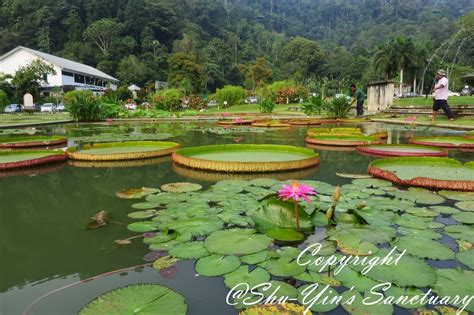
[(355, 176), (372, 183), (422, 212), (353, 245), (464, 217), (136, 193), (460, 232), (396, 293), (217, 265), (457, 195), (160, 238), (181, 187), (427, 234), (360, 307), (351, 278), (255, 258), (278, 289), (424, 248), (164, 262), (445, 209), (142, 214), (284, 267), (466, 257), (236, 242), (284, 234), (139, 298), (189, 250), (273, 309), (447, 310), (264, 182), (465, 205), (154, 255), (307, 293), (196, 226), (243, 275), (143, 226), (455, 282)]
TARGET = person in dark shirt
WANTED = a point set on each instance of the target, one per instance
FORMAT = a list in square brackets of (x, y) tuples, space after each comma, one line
[(359, 96)]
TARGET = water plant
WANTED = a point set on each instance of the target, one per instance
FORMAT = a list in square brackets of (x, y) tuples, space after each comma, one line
[(296, 191)]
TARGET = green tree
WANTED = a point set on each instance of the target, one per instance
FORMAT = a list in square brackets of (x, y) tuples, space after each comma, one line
[(103, 33), (184, 67), (27, 79), (132, 70), (258, 74), (3, 100), (302, 59), (384, 60), (404, 54), (230, 95)]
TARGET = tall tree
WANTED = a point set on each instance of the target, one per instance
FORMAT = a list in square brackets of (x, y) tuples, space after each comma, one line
[(183, 67), (103, 33)]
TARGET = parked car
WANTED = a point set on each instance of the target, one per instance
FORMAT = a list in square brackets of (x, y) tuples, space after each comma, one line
[(212, 103), (451, 93), (48, 108), (12, 108), (130, 106), (251, 100), (467, 91), (60, 107)]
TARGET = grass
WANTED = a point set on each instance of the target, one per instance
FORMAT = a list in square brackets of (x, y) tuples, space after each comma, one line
[(428, 102), (14, 119)]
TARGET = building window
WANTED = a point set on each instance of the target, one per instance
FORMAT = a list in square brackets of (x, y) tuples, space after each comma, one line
[(89, 80), (67, 74), (78, 78)]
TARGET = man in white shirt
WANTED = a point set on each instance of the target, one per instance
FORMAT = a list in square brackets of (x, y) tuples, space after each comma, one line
[(440, 97)]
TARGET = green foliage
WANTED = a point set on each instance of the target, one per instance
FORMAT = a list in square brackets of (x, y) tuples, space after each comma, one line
[(3, 100), (103, 33), (110, 110), (266, 106), (183, 67), (27, 79), (314, 105), (83, 105), (132, 70), (338, 107), (169, 99), (283, 91), (231, 94)]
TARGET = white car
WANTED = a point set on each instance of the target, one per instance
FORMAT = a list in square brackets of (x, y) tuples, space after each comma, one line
[(451, 93), (60, 107), (48, 108)]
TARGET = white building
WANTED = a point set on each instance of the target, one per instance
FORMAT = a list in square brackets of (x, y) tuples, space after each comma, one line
[(70, 75)]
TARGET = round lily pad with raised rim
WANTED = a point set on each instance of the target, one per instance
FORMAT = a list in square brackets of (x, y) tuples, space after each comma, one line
[(304, 122), (401, 150), (12, 159), (445, 142), (271, 124), (116, 151), (235, 122), (246, 158), (333, 131), (429, 172), (380, 134), (346, 140), (31, 141)]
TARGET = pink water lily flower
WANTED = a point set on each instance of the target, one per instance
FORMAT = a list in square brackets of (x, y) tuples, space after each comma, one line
[(238, 120), (296, 191), (225, 114), (410, 118)]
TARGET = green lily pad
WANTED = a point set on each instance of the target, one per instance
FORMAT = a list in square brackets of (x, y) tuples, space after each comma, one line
[(455, 282), (371, 183), (160, 238), (139, 298), (243, 275), (112, 137), (278, 289), (457, 195), (142, 214), (264, 182), (236, 242), (181, 187), (284, 267), (351, 278), (445, 209), (424, 248), (436, 225), (189, 250), (412, 222), (465, 205), (366, 233), (408, 271), (463, 245), (217, 265), (353, 245), (255, 258), (164, 262), (464, 217), (361, 305), (396, 293), (167, 198), (466, 257), (460, 232), (145, 205), (284, 234), (196, 226), (307, 293), (136, 193), (427, 234), (422, 212), (144, 226)]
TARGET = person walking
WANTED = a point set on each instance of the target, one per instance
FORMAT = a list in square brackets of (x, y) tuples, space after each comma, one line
[(359, 96), (440, 97)]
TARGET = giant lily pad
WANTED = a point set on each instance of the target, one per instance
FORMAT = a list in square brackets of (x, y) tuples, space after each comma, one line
[(136, 193), (23, 141), (140, 298), (246, 158), (11, 159), (455, 282), (342, 140), (424, 248), (243, 275), (445, 142), (119, 151), (116, 137), (236, 242), (401, 150), (217, 265), (429, 172)]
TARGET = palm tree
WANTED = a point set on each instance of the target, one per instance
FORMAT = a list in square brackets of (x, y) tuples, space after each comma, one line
[(404, 54), (384, 60)]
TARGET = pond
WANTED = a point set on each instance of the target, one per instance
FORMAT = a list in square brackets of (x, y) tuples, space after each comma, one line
[(44, 212)]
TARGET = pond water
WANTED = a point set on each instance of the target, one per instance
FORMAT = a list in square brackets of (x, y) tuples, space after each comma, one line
[(44, 212)]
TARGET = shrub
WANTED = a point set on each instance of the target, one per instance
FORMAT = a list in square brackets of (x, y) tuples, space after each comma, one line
[(82, 105), (3, 100), (197, 102), (110, 110), (339, 107), (267, 106), (231, 94), (314, 105), (281, 91), (169, 99)]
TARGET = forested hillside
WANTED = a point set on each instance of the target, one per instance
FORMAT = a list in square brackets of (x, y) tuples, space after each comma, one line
[(209, 43)]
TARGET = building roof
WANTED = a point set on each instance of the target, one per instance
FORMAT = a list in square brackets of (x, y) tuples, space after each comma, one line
[(63, 63)]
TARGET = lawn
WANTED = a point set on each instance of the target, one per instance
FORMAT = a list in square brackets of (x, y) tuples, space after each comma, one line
[(464, 121), (24, 119), (428, 102)]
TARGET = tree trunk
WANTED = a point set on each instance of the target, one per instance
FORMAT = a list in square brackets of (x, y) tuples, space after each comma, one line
[(414, 84), (401, 81)]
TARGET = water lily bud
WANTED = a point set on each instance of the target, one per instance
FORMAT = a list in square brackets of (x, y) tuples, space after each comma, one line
[(336, 194)]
